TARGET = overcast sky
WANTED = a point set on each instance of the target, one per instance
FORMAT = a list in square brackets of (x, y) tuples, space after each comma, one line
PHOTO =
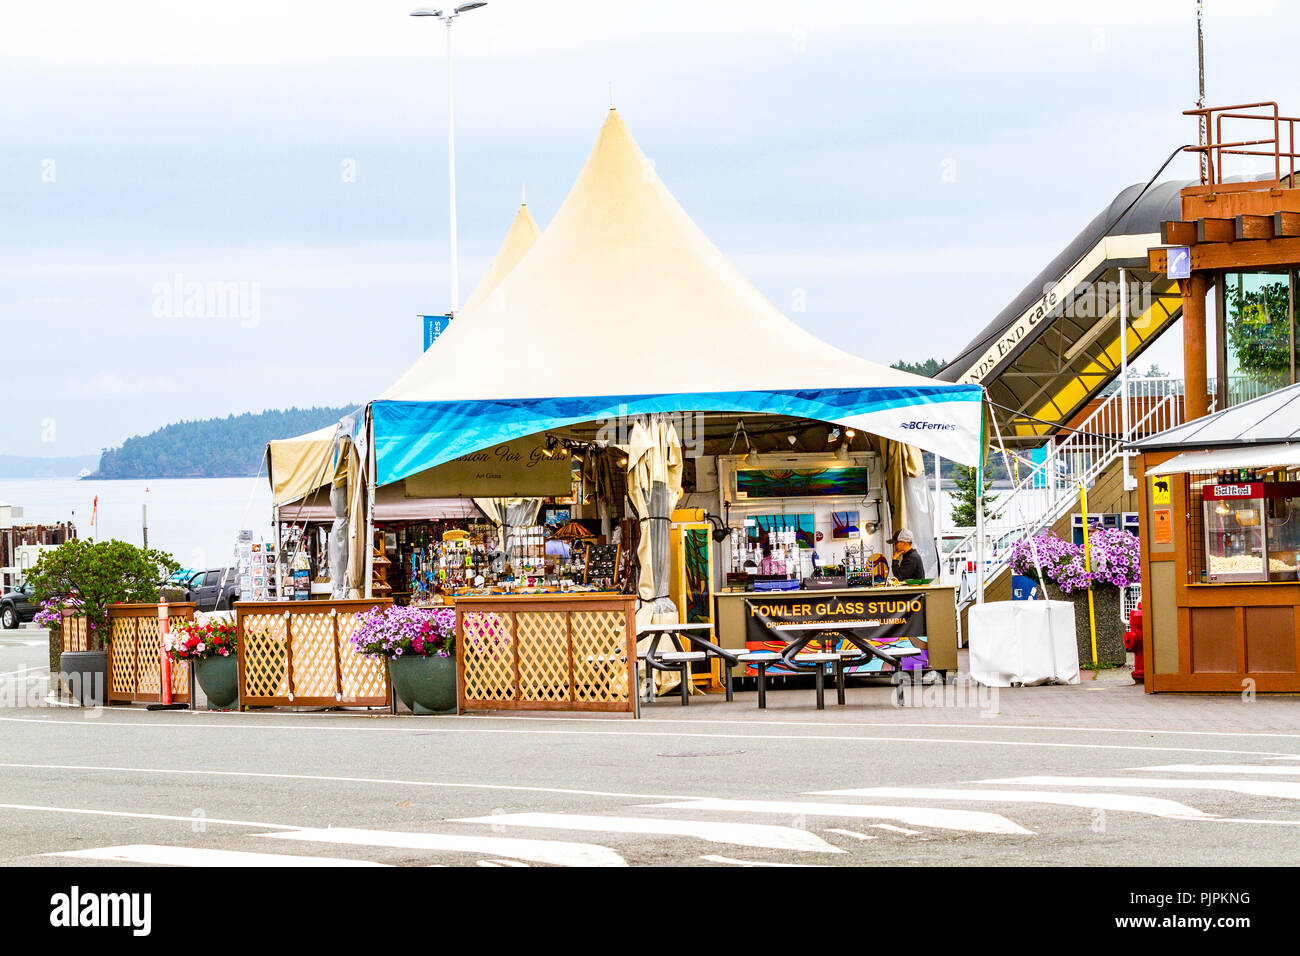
[(908, 167)]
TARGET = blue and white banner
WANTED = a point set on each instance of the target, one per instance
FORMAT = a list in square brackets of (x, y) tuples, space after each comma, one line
[(411, 437), (434, 326)]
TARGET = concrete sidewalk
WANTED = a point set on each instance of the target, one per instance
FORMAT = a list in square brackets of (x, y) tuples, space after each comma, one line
[(1111, 700)]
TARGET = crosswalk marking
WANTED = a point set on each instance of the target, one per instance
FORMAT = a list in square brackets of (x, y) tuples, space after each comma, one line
[(1223, 768), (856, 834), (739, 834), (159, 855), (714, 858), (1256, 788), (974, 821), (893, 829), (537, 851), (1153, 806)]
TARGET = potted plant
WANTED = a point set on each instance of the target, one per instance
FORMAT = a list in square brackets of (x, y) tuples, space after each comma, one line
[(418, 644), (210, 649), (1115, 563), (98, 574)]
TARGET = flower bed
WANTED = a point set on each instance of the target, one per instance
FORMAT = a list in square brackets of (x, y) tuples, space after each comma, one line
[(1115, 560), (394, 631)]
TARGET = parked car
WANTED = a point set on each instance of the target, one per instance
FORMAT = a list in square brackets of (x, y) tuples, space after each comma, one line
[(209, 590), (17, 606)]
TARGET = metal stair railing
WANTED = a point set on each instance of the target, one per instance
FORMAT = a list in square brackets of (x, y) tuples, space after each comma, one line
[(1050, 488)]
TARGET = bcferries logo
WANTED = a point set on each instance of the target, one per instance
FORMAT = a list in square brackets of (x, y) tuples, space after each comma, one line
[(928, 426)]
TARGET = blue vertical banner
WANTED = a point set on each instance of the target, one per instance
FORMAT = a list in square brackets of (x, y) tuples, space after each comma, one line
[(434, 326)]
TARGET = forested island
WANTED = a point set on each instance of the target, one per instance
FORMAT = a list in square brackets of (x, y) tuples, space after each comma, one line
[(230, 447)]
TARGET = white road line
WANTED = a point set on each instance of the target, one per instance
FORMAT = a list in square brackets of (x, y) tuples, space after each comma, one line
[(211, 821), (502, 863), (555, 852), (893, 829), (837, 739), (856, 834), (1152, 806), (26, 670), (972, 821), (153, 855), (1256, 788), (748, 721), (1241, 768), (337, 779), (738, 834), (714, 858)]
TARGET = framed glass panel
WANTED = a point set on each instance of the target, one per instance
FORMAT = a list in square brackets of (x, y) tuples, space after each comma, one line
[(1259, 340)]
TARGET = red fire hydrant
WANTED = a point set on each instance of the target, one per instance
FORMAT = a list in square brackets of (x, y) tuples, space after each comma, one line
[(1133, 641)]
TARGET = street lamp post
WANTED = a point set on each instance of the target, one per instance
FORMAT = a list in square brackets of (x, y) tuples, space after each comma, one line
[(447, 18)]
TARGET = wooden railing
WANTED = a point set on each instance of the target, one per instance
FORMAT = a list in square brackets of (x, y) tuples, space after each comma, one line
[(562, 652), (299, 653)]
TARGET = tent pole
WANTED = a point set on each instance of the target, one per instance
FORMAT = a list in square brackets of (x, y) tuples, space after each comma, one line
[(279, 555), (370, 505), (979, 519)]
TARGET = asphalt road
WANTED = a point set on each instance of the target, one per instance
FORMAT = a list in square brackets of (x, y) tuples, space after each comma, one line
[(128, 786)]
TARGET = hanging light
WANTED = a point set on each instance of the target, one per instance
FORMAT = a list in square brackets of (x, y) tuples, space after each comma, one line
[(833, 434)]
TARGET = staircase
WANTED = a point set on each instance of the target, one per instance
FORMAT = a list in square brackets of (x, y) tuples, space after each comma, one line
[(1047, 490)]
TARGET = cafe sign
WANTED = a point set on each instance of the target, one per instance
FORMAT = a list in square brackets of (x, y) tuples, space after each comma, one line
[(518, 468)]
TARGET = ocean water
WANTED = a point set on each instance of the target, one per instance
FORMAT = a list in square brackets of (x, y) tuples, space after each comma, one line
[(195, 519)]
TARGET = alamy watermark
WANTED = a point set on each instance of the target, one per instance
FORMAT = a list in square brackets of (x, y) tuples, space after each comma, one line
[(183, 298)]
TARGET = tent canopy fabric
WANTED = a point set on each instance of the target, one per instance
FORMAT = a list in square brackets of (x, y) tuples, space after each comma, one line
[(1253, 456), (1270, 419), (620, 257), (523, 233), (296, 466)]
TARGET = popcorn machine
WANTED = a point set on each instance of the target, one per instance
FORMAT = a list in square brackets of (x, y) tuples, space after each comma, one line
[(1252, 530)]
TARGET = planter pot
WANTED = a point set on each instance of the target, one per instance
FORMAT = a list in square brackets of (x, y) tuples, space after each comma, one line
[(1110, 629), (427, 685), (85, 675), (219, 678)]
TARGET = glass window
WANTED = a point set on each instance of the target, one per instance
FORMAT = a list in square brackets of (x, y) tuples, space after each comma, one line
[(1258, 337)]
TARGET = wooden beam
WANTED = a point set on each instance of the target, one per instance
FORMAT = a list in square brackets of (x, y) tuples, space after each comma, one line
[(1253, 227), (1158, 261), (1246, 255), (1215, 230), (1286, 223), (1177, 232)]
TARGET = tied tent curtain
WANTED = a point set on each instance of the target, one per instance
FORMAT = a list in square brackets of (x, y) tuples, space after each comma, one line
[(654, 483), (510, 514)]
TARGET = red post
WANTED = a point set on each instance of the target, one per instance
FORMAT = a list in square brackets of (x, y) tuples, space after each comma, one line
[(164, 659)]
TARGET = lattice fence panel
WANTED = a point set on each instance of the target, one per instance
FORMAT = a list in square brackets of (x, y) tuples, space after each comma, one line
[(315, 671), (543, 647), (121, 652), (148, 679), (486, 652), (363, 678), (599, 656), (265, 666), (74, 633)]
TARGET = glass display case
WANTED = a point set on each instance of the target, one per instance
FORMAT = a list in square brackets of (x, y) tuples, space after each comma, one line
[(1252, 531)]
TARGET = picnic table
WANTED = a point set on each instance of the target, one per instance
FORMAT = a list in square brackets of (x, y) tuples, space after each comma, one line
[(798, 658), (680, 660)]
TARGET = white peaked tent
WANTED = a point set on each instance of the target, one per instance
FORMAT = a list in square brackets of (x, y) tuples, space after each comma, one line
[(625, 287), (523, 233)]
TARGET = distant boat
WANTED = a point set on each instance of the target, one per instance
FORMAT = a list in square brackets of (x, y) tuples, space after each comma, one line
[(84, 473)]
